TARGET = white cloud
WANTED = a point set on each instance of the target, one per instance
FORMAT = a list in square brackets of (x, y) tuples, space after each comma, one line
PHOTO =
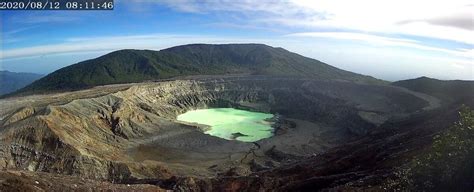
[(355, 36), (275, 7), (385, 41), (448, 20)]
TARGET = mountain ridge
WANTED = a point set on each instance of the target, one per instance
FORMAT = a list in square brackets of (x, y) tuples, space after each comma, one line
[(12, 81), (449, 91), (130, 65)]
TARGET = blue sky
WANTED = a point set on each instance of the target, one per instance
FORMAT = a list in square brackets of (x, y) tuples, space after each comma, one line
[(390, 40)]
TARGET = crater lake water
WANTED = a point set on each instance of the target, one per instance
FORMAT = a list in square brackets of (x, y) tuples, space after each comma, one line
[(230, 123)]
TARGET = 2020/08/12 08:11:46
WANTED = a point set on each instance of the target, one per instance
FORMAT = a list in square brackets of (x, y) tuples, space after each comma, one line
[(56, 5)]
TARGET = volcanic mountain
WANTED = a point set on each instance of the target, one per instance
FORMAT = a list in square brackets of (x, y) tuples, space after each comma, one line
[(126, 66)]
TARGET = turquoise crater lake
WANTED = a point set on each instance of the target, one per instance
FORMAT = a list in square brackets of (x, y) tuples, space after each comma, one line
[(230, 123)]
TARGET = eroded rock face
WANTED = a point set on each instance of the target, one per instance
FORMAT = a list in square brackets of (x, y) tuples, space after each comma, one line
[(133, 133)]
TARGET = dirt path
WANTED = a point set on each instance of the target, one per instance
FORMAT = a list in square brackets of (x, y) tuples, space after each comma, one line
[(433, 102)]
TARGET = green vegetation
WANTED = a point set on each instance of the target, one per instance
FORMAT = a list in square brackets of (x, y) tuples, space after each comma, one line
[(127, 66), (448, 165)]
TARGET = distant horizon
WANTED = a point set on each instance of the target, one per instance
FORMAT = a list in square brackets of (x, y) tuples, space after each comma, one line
[(433, 39)]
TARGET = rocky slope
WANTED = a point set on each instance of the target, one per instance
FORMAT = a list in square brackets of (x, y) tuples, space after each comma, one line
[(127, 133), (35, 181)]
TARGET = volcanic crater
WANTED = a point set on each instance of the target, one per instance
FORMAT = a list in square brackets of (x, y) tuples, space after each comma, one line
[(129, 131)]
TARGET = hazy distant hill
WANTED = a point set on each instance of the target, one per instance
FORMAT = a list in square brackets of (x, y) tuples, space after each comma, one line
[(448, 91), (196, 59), (11, 81)]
